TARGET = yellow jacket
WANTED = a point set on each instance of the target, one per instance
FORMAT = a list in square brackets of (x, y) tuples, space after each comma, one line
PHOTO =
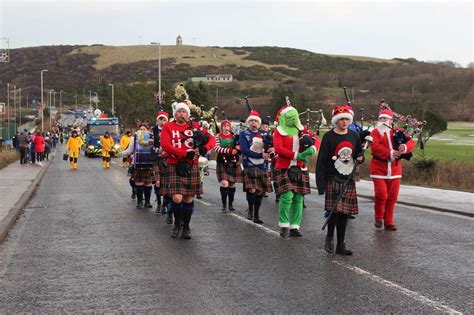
[(74, 144), (107, 143), (125, 141)]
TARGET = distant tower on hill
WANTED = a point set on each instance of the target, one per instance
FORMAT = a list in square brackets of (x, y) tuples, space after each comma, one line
[(179, 41)]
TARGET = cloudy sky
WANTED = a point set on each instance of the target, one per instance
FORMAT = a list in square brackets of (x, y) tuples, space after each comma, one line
[(386, 29)]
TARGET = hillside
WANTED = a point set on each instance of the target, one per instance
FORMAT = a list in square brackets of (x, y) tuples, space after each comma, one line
[(312, 79)]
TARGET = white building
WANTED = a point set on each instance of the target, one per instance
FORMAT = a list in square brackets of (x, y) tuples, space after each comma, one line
[(213, 78)]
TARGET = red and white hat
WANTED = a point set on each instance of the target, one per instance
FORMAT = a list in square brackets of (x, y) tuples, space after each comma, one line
[(225, 122), (161, 114), (181, 105), (343, 145), (386, 113), (254, 115), (282, 111), (342, 111)]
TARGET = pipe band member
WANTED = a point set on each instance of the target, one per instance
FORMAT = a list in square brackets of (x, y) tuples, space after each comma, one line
[(183, 141), (255, 162), (228, 168), (160, 161), (340, 150)]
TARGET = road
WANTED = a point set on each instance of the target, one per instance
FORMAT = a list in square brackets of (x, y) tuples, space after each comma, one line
[(81, 246)]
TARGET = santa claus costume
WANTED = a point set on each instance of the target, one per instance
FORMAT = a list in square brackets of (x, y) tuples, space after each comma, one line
[(386, 169), (294, 146), (255, 162), (182, 179), (339, 150)]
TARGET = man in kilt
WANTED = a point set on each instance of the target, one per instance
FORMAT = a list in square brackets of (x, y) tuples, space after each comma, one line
[(255, 162), (294, 147), (184, 142), (228, 168), (340, 150), (144, 172), (161, 119)]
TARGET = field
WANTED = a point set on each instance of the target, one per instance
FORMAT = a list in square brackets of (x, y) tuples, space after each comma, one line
[(192, 55), (456, 143), (7, 157)]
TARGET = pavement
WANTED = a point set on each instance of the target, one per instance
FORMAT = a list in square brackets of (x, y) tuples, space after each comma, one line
[(81, 246)]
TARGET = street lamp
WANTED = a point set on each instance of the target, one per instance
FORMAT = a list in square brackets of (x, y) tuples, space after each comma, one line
[(14, 108), (111, 85), (96, 99), (50, 99), (61, 100), (90, 99), (159, 69), (42, 120)]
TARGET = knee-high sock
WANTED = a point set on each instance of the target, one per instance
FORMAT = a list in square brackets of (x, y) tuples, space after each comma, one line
[(147, 191), (341, 224), (167, 203), (256, 206), (251, 201), (157, 194), (296, 213), (177, 211), (284, 206), (224, 193), (132, 184), (188, 209), (139, 191), (231, 194)]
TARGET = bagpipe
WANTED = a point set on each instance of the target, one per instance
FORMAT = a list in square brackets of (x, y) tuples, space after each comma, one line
[(307, 135), (267, 136)]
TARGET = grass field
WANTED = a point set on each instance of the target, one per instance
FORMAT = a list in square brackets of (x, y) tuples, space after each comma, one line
[(456, 143), (192, 55), (7, 157)]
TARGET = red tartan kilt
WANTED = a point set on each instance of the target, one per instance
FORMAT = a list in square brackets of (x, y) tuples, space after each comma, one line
[(177, 185), (146, 175), (223, 175), (347, 204), (282, 182), (261, 184)]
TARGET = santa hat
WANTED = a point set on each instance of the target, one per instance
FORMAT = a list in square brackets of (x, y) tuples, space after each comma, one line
[(342, 145), (282, 111), (386, 113), (161, 114), (254, 115), (225, 122), (181, 105), (342, 111)]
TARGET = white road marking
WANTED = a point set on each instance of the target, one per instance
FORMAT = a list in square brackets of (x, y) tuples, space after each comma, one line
[(412, 294), (113, 162), (260, 226), (203, 202)]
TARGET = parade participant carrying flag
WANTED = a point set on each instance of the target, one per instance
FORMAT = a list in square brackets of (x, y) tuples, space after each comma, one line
[(228, 167), (255, 163), (386, 167), (73, 145), (184, 141), (106, 143), (340, 150), (291, 175)]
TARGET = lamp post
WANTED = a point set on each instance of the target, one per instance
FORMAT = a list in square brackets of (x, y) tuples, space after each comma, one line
[(113, 92), (96, 99), (90, 99), (61, 100), (159, 70), (14, 108), (42, 103), (50, 99)]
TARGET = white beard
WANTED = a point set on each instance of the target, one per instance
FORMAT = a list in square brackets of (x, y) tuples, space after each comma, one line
[(382, 127), (344, 168)]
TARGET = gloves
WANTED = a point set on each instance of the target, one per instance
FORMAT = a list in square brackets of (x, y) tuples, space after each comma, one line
[(202, 150), (190, 155), (306, 154)]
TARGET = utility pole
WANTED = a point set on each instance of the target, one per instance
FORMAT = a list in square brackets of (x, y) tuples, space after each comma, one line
[(19, 93), (159, 71), (14, 108), (61, 100), (113, 92), (90, 99), (42, 101)]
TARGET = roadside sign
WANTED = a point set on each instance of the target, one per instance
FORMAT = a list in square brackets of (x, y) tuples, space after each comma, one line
[(2, 108)]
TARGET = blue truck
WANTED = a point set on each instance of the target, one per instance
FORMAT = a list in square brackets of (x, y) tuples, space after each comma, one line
[(95, 128)]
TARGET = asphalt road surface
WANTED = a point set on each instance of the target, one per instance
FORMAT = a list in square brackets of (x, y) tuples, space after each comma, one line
[(81, 246)]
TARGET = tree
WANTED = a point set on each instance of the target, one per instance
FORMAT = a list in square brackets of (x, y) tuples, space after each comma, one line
[(435, 123)]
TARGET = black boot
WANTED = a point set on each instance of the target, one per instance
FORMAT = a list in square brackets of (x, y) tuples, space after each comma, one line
[(188, 209), (295, 233), (177, 211), (231, 198), (329, 245), (256, 210), (147, 192), (342, 250), (224, 193), (139, 193), (284, 232), (251, 201)]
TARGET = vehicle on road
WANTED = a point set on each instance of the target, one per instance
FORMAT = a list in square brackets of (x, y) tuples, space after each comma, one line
[(95, 128)]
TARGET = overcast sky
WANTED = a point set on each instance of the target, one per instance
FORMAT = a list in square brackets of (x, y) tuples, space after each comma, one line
[(423, 30)]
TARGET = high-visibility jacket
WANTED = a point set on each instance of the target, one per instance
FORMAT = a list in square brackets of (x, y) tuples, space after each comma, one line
[(125, 141), (107, 145), (74, 144)]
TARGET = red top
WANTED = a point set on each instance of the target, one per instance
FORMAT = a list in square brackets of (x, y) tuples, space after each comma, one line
[(39, 143), (287, 148), (385, 166), (176, 140)]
